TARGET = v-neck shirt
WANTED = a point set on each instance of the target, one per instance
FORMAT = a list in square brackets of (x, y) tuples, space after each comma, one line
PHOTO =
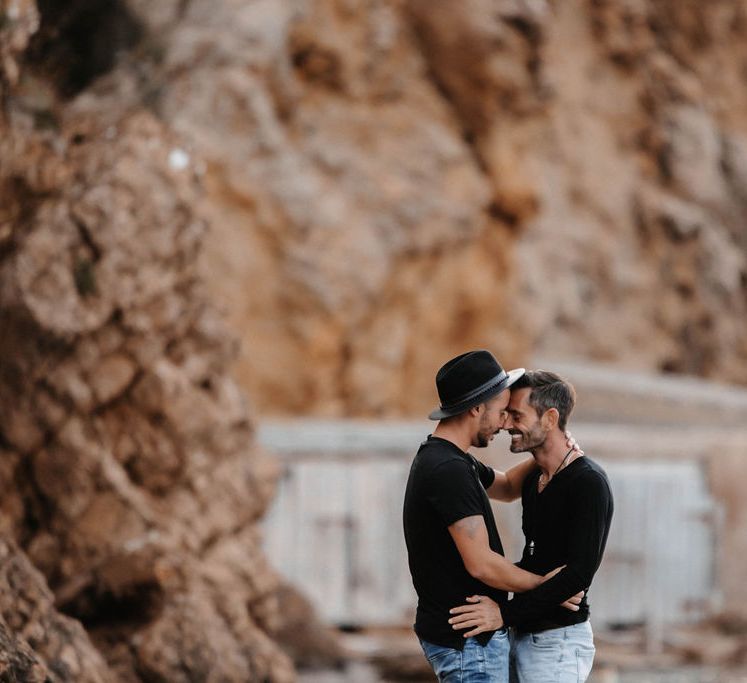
[(568, 521)]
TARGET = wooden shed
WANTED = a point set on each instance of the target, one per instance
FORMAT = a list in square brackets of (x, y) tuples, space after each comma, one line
[(335, 528)]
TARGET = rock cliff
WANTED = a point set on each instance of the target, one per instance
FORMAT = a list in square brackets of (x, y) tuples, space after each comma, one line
[(132, 489), (363, 188), (391, 182)]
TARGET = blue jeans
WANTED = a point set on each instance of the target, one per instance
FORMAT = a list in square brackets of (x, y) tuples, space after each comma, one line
[(473, 664), (559, 655)]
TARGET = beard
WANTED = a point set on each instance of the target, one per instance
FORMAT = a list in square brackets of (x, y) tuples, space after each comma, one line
[(483, 439), (533, 438), (484, 434)]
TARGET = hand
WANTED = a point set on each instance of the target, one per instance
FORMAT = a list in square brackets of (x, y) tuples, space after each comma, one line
[(549, 575), (571, 443), (573, 602), (482, 614)]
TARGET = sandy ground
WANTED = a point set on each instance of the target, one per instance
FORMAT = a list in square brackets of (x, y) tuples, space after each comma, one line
[(394, 656)]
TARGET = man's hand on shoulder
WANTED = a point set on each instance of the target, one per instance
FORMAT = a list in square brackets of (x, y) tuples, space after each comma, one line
[(572, 443), (480, 615)]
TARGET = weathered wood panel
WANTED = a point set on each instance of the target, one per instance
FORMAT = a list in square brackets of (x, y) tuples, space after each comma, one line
[(335, 530)]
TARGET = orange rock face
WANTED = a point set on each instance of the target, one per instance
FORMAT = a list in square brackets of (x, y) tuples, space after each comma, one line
[(132, 485), (392, 182), (362, 189)]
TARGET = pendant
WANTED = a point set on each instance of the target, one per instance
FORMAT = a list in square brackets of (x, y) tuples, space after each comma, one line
[(531, 548)]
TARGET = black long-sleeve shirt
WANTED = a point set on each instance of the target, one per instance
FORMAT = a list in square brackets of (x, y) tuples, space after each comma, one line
[(569, 522)]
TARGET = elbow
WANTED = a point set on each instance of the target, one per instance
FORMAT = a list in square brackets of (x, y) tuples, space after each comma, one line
[(477, 570), (578, 576)]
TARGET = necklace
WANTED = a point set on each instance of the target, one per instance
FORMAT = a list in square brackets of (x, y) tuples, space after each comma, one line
[(541, 484), (544, 481)]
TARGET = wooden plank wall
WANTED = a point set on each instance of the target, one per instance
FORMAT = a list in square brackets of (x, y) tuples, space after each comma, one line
[(335, 530)]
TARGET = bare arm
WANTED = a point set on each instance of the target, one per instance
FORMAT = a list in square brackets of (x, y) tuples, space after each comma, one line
[(481, 614), (507, 485), (471, 538)]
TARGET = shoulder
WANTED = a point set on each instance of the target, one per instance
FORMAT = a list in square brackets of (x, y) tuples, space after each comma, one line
[(592, 469), (434, 458), (591, 475), (452, 466), (436, 451)]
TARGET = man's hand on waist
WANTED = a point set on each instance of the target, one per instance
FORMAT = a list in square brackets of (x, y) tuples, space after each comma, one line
[(573, 602), (480, 615)]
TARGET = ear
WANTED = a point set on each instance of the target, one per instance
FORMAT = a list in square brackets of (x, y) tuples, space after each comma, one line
[(474, 411), (550, 419)]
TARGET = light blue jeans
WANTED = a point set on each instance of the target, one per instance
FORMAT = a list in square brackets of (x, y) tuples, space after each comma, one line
[(559, 655), (473, 664)]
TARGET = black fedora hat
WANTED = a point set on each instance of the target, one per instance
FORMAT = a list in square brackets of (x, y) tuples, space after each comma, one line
[(468, 380)]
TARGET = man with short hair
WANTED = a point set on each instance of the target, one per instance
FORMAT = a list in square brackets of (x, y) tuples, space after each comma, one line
[(567, 512), (453, 545)]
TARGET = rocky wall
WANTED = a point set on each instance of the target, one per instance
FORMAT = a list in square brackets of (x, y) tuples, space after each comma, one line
[(363, 188), (389, 182), (392, 181), (132, 487)]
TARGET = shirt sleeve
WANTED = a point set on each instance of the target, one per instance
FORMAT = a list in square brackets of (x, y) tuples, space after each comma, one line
[(486, 474), (589, 522), (454, 492)]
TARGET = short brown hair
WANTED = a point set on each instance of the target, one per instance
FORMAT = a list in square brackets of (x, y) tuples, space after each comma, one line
[(548, 391)]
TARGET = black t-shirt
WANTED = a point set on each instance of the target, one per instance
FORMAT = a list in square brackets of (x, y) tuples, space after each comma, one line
[(569, 523), (445, 485)]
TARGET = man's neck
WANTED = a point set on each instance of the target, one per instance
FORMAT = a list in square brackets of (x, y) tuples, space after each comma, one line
[(551, 453), (454, 432)]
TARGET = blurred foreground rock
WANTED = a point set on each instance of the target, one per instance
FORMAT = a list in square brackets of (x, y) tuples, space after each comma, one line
[(312, 644), (36, 642), (132, 485)]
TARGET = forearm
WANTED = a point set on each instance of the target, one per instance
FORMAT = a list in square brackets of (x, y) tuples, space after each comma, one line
[(496, 571), (484, 564), (537, 603), (507, 485)]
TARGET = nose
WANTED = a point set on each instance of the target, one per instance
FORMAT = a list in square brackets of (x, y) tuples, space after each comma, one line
[(508, 422)]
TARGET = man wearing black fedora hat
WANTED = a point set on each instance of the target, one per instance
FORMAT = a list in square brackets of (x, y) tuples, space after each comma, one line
[(453, 546)]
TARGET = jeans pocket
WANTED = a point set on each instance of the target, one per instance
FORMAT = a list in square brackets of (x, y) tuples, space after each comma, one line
[(584, 661), (445, 661), (547, 640), (434, 653)]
